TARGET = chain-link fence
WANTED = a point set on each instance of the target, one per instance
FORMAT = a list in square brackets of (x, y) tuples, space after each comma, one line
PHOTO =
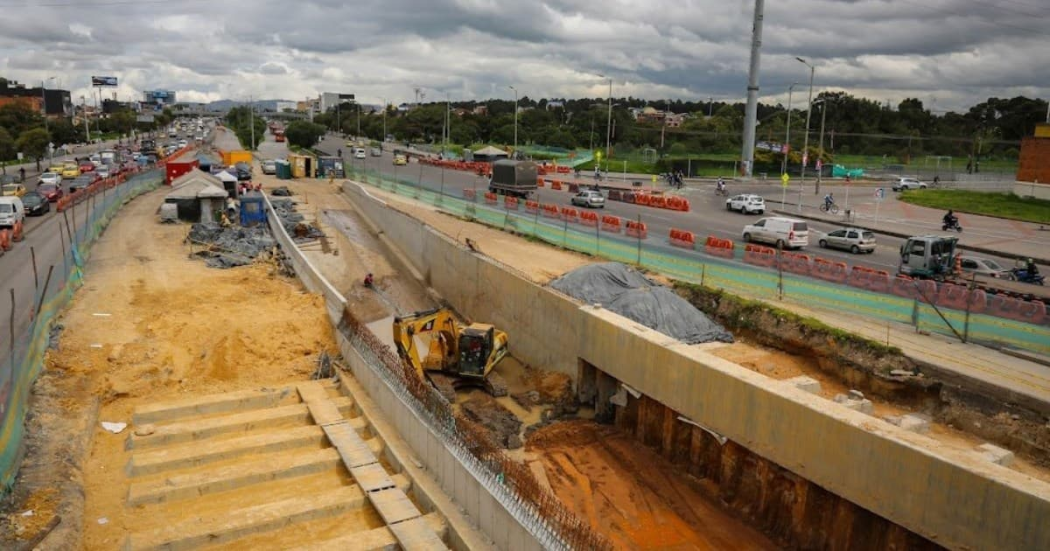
[(41, 274), (971, 316)]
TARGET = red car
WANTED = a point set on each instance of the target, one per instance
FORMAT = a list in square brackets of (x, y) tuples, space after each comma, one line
[(86, 166), (51, 192)]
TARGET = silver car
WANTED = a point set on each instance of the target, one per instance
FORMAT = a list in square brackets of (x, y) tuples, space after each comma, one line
[(854, 240), (589, 198), (984, 266), (908, 183)]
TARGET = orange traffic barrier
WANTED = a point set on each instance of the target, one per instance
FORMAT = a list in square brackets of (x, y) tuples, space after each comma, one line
[(642, 199), (611, 224), (719, 247), (658, 201), (510, 203), (550, 211), (1033, 311), (570, 214), (960, 297), (556, 184), (759, 255), (532, 206), (5, 240), (490, 198), (678, 203), (588, 218), (17, 233), (470, 194), (859, 276), (830, 271), (795, 263), (539, 182), (637, 229), (682, 238)]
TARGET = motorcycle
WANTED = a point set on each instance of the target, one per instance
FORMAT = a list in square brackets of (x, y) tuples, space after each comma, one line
[(951, 225), (1022, 275), (722, 191)]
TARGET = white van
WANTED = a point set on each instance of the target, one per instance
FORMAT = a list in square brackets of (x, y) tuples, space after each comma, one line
[(788, 233), (12, 211)]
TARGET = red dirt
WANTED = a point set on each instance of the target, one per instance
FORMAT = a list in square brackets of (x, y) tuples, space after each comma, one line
[(630, 494)]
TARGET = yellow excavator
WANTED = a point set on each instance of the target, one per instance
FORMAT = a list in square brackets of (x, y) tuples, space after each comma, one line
[(457, 355)]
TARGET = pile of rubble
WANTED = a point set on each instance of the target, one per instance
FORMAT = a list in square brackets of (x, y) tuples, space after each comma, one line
[(293, 222), (234, 246)]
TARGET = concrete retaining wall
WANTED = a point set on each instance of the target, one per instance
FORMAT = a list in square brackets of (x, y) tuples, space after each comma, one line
[(487, 503), (955, 499)]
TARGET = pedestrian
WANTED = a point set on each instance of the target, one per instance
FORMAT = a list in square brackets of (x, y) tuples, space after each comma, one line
[(22, 174)]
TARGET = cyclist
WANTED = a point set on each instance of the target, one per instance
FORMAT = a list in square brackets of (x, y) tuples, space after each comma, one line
[(721, 186), (829, 200)]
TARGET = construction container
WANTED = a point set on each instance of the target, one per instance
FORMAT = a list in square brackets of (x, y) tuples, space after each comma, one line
[(303, 166), (330, 167), (230, 158), (284, 170)]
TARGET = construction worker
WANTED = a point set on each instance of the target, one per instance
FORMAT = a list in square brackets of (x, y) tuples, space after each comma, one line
[(369, 281)]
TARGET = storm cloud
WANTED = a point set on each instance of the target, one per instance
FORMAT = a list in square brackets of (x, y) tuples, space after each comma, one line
[(949, 53)]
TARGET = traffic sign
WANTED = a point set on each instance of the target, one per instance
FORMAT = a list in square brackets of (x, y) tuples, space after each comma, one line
[(654, 178), (784, 179)]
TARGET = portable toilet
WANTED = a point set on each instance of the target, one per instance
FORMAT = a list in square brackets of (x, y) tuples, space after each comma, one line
[(303, 166), (284, 170), (253, 210)]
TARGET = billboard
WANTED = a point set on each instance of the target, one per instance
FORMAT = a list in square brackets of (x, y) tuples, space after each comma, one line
[(346, 96), (103, 81)]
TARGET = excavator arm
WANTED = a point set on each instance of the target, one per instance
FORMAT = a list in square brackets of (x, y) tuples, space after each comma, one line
[(440, 323)]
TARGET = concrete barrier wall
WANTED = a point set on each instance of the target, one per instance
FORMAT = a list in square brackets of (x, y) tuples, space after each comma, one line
[(488, 503), (955, 499)]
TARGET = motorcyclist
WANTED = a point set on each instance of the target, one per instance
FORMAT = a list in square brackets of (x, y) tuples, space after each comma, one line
[(1031, 268), (721, 185), (368, 280), (949, 219)]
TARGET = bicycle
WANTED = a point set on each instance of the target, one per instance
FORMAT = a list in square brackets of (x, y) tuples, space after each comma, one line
[(831, 209)]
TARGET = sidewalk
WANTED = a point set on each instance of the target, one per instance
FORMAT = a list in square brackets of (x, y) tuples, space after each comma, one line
[(982, 234)]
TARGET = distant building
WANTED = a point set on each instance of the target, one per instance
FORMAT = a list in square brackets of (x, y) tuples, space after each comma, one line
[(481, 110), (158, 99), (330, 99), (1034, 162), (110, 106), (555, 105), (283, 106), (309, 105), (53, 103), (653, 115)]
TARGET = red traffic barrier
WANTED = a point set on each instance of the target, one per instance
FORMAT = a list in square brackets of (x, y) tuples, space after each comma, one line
[(611, 224), (759, 255), (532, 206), (588, 218), (570, 214), (682, 238), (637, 229), (550, 211), (491, 198), (510, 203)]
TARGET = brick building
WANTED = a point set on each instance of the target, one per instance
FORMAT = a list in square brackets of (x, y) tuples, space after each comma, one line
[(1034, 161), (52, 102)]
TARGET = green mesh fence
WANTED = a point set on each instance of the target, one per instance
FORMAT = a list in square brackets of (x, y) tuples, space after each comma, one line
[(731, 275)]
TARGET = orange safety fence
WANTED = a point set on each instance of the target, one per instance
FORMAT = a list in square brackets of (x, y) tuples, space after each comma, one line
[(682, 238), (637, 229), (556, 184), (589, 219), (611, 224), (795, 263), (539, 182), (960, 297)]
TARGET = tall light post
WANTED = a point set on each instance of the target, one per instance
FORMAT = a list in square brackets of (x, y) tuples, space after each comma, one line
[(608, 124), (515, 119), (383, 140), (251, 119), (787, 135), (820, 153), (710, 106), (747, 148), (809, 112)]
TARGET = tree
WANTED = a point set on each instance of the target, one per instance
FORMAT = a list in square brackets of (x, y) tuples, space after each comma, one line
[(17, 117), (33, 143), (7, 148), (303, 134)]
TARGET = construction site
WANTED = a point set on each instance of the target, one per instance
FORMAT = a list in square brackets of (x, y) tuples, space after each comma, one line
[(390, 375)]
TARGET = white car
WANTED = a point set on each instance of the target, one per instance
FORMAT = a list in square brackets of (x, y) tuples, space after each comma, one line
[(51, 178), (984, 266), (908, 183), (589, 198), (359, 153), (746, 204), (783, 233)]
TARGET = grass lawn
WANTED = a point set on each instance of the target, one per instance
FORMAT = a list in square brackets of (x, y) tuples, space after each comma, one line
[(1000, 205)]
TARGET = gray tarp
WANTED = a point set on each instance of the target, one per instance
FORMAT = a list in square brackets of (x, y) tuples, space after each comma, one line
[(623, 290)]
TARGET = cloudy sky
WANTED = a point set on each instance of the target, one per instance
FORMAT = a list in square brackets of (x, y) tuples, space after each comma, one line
[(949, 53)]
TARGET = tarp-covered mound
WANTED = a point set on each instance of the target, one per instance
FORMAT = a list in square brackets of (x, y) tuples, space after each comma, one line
[(623, 290)]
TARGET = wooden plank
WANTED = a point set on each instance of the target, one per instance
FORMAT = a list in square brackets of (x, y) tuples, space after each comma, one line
[(393, 505), (352, 448), (371, 478), (417, 534), (321, 407)]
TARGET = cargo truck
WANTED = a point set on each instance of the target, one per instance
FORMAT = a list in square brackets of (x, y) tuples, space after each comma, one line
[(515, 178)]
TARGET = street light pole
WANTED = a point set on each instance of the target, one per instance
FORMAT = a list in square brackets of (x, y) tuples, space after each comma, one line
[(515, 119), (787, 135), (251, 119), (809, 112), (608, 124), (820, 154), (383, 139), (43, 103)]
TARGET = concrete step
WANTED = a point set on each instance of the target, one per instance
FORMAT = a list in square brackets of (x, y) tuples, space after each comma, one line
[(230, 477), (265, 517), (431, 530), (214, 403), (200, 429)]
